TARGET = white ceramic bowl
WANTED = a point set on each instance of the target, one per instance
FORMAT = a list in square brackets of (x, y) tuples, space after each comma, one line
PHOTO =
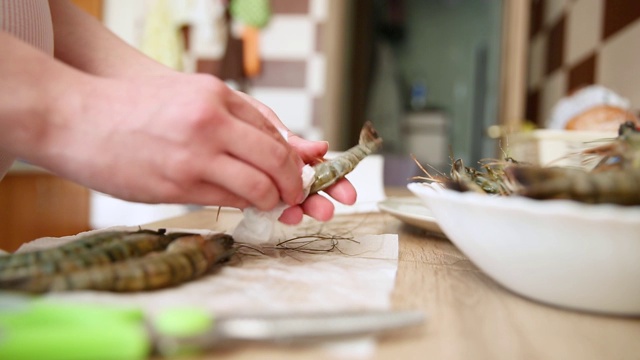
[(564, 253)]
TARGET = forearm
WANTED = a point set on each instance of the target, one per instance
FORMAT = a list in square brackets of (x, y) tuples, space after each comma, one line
[(33, 89), (84, 43)]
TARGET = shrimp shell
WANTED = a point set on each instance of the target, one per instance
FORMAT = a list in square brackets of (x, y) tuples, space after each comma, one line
[(51, 256), (120, 246), (330, 171), (620, 187), (188, 257), (621, 153), (614, 180)]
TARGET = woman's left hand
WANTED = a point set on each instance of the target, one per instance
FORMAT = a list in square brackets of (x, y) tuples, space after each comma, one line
[(316, 206)]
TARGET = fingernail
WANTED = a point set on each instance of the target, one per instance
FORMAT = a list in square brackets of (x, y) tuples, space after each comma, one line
[(300, 198)]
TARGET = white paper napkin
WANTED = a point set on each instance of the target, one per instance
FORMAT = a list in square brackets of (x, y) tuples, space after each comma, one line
[(359, 275)]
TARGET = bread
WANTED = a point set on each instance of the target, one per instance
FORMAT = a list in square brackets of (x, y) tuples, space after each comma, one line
[(600, 118)]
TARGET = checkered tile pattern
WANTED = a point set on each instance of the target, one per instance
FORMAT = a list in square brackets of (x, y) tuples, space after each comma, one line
[(292, 80), (581, 42)]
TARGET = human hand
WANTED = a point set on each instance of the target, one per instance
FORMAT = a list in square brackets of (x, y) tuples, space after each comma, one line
[(316, 206), (110, 119), (171, 139)]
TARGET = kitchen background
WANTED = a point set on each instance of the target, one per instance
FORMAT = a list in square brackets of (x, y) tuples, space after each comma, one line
[(433, 76), (582, 42)]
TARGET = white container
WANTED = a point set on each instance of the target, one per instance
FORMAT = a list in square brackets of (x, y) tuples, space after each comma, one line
[(549, 147), (559, 252)]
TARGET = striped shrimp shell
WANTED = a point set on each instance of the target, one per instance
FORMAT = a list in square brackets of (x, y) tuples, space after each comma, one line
[(330, 171), (188, 257), (108, 247)]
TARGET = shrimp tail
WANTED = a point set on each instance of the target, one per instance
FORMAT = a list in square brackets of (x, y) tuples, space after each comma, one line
[(369, 137)]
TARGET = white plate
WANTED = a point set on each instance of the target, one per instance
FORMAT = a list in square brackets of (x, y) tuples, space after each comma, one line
[(411, 211), (560, 252)]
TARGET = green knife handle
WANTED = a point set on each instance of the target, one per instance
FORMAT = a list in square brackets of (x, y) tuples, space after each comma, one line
[(47, 331)]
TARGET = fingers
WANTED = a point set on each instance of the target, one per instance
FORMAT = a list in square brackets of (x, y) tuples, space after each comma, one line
[(205, 193), (342, 191), (292, 215), (321, 208), (263, 109), (318, 206), (282, 154), (276, 160), (310, 151), (271, 154), (245, 110), (244, 181), (272, 118)]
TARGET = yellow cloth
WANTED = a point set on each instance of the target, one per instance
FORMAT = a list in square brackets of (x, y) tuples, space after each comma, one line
[(162, 40)]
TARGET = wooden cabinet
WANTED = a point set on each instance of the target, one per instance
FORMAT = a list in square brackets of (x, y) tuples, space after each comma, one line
[(38, 204)]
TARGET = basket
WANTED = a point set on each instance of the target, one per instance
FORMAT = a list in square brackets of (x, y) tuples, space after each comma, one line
[(548, 147)]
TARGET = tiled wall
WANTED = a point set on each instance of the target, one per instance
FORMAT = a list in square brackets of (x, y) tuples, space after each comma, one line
[(581, 42), (292, 79)]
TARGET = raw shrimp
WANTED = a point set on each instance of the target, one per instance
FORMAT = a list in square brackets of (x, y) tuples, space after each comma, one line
[(121, 245), (615, 186), (615, 179), (621, 153), (186, 258), (330, 171), (489, 178), (49, 257)]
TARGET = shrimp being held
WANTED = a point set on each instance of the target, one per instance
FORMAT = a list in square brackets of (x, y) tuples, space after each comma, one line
[(330, 171)]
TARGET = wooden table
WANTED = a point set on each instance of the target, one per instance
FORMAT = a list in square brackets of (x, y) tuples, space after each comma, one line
[(469, 315)]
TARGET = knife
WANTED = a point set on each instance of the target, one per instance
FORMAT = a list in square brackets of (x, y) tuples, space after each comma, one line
[(52, 330)]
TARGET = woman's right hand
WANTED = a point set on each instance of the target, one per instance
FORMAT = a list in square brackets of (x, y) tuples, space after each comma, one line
[(174, 138)]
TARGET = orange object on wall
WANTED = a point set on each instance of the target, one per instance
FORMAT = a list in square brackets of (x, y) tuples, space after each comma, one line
[(93, 7), (251, 51)]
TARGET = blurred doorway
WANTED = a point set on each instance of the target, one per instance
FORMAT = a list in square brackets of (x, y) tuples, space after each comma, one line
[(463, 60)]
